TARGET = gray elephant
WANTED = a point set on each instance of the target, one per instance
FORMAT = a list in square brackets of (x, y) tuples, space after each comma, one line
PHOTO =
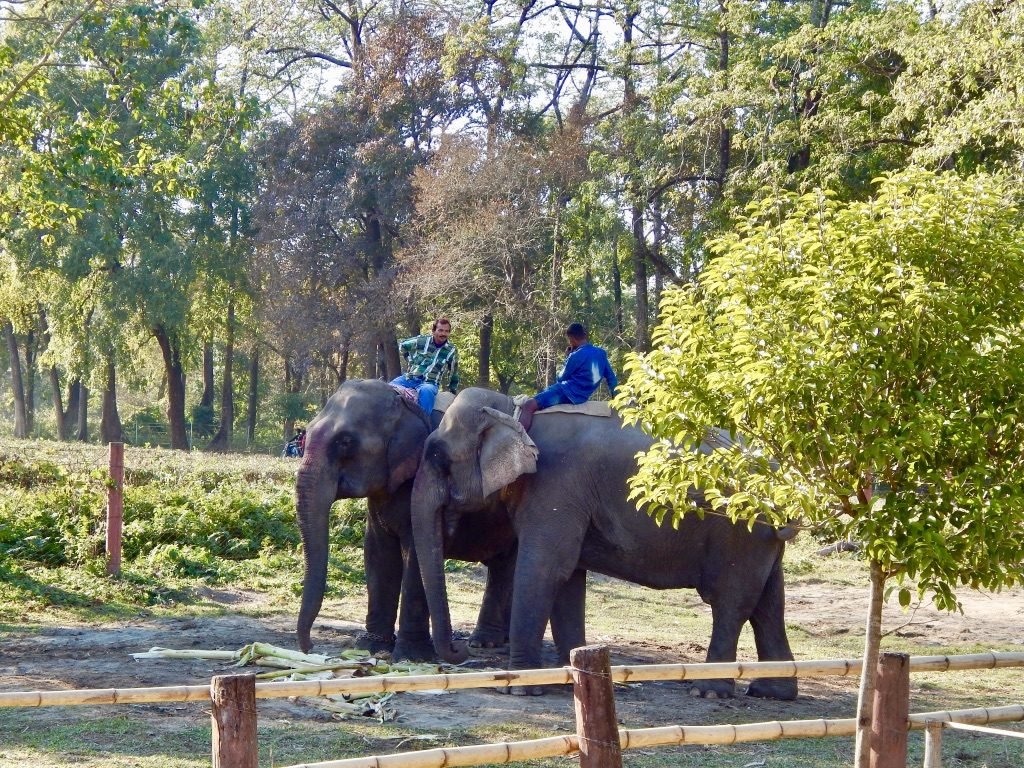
[(567, 498), (367, 442)]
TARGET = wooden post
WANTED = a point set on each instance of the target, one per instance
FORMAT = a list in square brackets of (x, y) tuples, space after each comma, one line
[(933, 744), (233, 718), (890, 712), (596, 724), (115, 508)]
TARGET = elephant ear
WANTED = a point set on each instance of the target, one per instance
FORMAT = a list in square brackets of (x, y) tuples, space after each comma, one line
[(405, 444), (506, 451)]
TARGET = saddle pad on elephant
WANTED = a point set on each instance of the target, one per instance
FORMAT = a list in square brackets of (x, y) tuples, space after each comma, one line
[(589, 408), (443, 401)]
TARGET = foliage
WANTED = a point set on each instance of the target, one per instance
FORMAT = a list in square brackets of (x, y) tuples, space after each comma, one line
[(338, 174), (874, 351), (185, 519)]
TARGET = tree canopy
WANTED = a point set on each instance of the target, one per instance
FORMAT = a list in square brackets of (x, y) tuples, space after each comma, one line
[(318, 179), (867, 358)]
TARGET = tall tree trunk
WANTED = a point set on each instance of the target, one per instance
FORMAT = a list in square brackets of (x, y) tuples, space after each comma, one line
[(54, 377), (222, 440), (58, 402), (725, 132), (555, 337), (588, 291), (83, 390), (111, 429), (30, 382), (209, 387), (392, 360), (254, 389), (483, 358), (868, 673), (640, 279), (175, 388), (368, 358), (292, 385), (82, 434), (658, 231), (346, 350), (17, 385), (620, 327), (71, 408), (633, 191)]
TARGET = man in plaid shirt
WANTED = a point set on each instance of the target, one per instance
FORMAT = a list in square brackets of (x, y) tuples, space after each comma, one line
[(428, 358)]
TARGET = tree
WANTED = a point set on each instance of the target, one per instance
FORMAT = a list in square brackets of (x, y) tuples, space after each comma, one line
[(116, 140), (483, 234), (867, 357)]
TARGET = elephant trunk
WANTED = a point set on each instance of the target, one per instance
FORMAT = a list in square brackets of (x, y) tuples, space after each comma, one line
[(429, 496), (315, 491)]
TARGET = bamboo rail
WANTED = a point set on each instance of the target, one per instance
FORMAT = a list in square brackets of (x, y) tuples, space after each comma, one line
[(504, 679), (672, 735)]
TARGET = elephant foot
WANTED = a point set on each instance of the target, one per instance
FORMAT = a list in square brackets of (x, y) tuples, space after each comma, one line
[(483, 638), (713, 689), (782, 688), (522, 690), (417, 649), (374, 643)]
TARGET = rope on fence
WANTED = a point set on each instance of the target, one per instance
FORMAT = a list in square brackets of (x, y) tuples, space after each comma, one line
[(504, 679), (671, 735)]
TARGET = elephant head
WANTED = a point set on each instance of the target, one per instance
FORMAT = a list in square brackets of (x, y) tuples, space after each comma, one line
[(477, 451), (365, 442)]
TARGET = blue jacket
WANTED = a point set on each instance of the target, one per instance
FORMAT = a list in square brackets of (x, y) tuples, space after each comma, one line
[(582, 373)]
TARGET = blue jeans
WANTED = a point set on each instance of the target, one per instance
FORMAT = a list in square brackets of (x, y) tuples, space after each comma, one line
[(426, 391), (553, 395)]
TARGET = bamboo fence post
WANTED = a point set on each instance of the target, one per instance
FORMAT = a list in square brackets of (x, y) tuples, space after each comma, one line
[(233, 718), (115, 508), (933, 744), (890, 712), (597, 727)]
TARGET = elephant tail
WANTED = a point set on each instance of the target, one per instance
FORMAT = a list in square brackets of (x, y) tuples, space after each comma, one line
[(787, 532)]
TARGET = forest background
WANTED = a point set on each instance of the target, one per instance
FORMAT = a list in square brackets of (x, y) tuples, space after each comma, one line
[(213, 212)]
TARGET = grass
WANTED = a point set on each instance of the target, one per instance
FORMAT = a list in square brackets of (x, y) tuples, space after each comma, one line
[(53, 488)]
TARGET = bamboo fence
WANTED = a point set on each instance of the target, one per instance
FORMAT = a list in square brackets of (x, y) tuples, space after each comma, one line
[(505, 679), (671, 735)]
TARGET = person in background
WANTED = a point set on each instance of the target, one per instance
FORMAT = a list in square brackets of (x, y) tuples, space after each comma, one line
[(428, 359), (585, 366)]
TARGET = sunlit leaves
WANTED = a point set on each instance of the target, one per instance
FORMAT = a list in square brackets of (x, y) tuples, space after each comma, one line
[(875, 350)]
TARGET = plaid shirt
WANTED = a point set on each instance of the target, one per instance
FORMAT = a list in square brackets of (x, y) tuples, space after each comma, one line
[(425, 360)]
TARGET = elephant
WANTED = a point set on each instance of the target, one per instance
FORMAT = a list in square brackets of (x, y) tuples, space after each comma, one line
[(366, 442), (566, 491)]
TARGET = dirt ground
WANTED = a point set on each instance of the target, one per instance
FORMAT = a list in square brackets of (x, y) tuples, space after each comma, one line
[(56, 657)]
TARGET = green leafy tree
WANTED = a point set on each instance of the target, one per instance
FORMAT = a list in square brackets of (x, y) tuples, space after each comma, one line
[(963, 84), (111, 196), (868, 358)]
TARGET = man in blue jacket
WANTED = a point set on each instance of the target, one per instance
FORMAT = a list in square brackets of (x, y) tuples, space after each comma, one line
[(579, 378)]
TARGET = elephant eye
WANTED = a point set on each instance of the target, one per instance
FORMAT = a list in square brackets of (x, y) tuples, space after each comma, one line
[(345, 444), (437, 456)]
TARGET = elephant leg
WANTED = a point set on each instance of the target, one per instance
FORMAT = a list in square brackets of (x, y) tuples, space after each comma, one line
[(382, 559), (413, 641), (546, 561), (725, 636), (768, 622), (568, 615), (495, 611)]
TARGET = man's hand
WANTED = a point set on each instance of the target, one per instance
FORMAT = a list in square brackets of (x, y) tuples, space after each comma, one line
[(409, 394)]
